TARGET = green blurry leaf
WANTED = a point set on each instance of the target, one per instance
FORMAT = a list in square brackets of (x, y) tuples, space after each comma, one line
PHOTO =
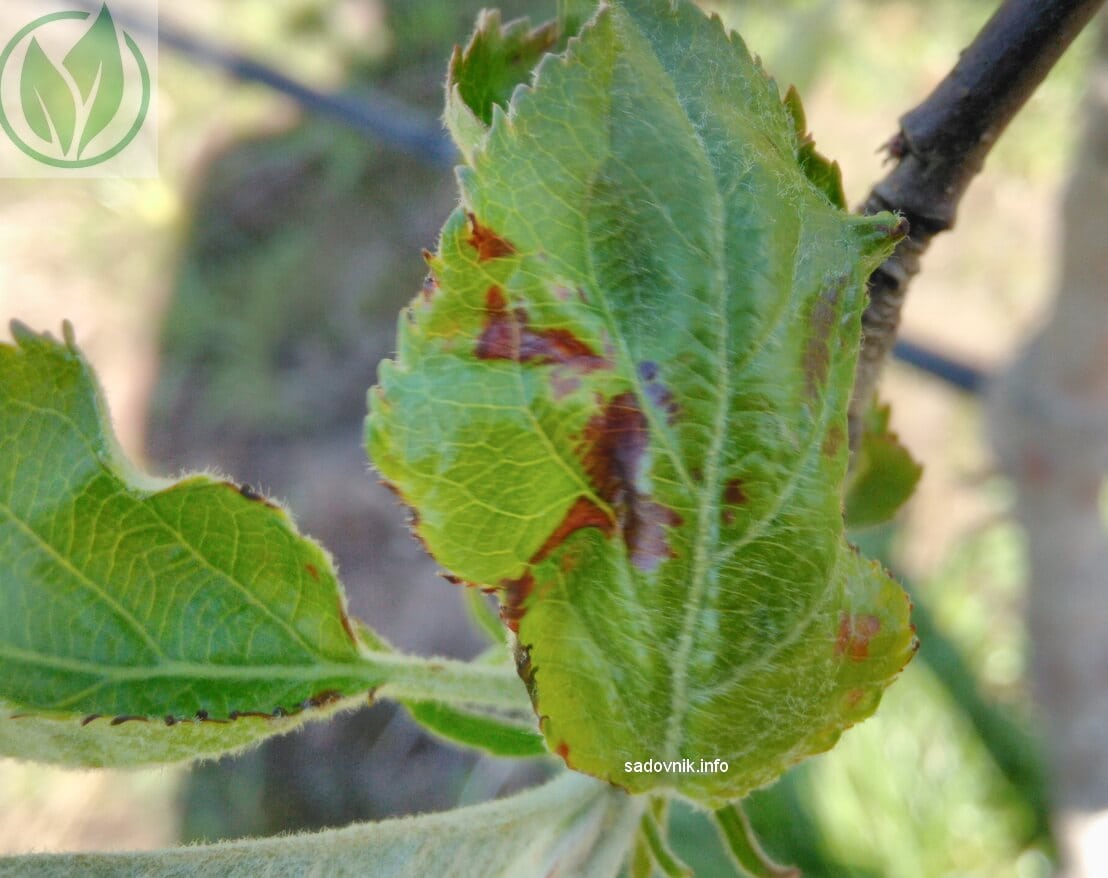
[(148, 621), (498, 735), (96, 65), (883, 476), (48, 104), (622, 403), (570, 828)]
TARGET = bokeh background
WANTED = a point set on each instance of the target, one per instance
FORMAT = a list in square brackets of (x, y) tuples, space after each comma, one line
[(235, 309)]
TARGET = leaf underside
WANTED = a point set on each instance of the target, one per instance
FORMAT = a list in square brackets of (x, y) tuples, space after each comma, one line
[(620, 400), (569, 828)]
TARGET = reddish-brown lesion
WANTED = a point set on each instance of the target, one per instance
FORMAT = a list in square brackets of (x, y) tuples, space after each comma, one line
[(615, 443), (583, 513), (822, 322), (734, 494), (508, 335), (513, 606), (855, 634), (486, 242)]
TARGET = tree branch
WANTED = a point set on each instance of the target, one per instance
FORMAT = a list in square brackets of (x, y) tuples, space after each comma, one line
[(941, 146)]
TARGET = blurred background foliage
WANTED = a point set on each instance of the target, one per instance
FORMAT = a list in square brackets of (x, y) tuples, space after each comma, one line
[(236, 306)]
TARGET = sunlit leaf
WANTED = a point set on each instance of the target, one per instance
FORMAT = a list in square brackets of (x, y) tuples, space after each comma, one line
[(621, 402), (148, 621)]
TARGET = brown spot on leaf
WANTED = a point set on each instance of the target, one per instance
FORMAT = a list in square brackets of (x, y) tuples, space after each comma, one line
[(833, 441), (855, 633), (733, 492), (583, 513), (516, 593), (120, 720), (615, 441), (508, 336), (486, 242), (563, 750), (313, 571), (347, 625), (733, 495), (817, 349), (326, 697)]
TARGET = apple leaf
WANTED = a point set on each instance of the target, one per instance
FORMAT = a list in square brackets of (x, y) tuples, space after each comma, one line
[(883, 474), (151, 621), (571, 827), (620, 401)]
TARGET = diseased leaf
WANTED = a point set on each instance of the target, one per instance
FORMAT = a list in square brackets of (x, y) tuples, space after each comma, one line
[(149, 621), (96, 65), (47, 102), (621, 401), (572, 827), (883, 474)]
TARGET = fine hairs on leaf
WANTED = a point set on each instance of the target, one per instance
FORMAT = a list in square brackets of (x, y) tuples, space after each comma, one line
[(619, 403)]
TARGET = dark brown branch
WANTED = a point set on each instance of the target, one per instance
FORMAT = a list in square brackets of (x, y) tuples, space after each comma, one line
[(942, 145)]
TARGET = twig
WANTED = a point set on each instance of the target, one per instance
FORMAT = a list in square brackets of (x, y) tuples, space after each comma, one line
[(366, 110), (941, 146)]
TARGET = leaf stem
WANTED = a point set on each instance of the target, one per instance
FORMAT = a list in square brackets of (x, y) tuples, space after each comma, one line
[(414, 678), (942, 145), (738, 836), (663, 856)]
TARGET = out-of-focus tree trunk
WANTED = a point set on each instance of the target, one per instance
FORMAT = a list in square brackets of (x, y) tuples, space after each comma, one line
[(1049, 424)]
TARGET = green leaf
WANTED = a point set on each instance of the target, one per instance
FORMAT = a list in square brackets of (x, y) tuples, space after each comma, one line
[(823, 172), (48, 104), (148, 621), (570, 828), (498, 735), (622, 403), (883, 474), (483, 76), (96, 65)]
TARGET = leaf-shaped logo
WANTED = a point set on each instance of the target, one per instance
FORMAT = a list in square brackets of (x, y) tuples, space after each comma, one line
[(48, 104), (97, 68)]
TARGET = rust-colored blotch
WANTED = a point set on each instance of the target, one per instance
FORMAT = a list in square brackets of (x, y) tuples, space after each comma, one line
[(486, 242), (855, 634)]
